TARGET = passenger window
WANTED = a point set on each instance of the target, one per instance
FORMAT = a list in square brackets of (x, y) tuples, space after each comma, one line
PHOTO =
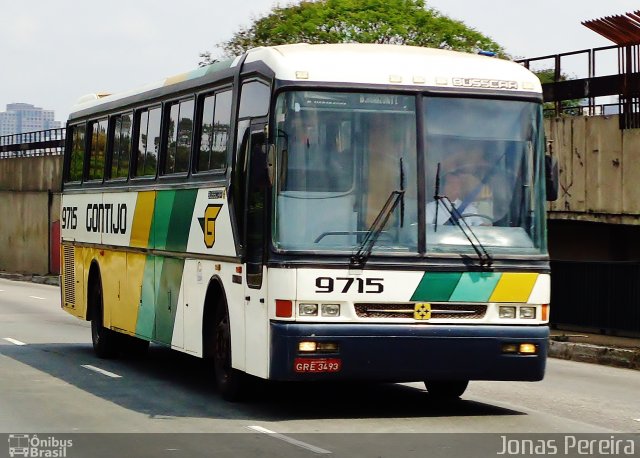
[(179, 132), (148, 142), (121, 146), (97, 149), (254, 100), (76, 161), (214, 132)]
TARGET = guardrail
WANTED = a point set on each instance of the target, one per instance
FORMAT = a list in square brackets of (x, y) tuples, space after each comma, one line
[(33, 144)]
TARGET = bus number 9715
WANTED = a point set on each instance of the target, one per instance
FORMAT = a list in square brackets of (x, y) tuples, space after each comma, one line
[(345, 284)]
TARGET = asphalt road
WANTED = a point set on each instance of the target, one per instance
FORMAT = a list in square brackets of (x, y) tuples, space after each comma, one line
[(52, 384)]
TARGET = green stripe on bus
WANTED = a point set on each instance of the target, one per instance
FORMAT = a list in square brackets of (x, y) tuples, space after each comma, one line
[(169, 272), (162, 217), (475, 287), (147, 312), (180, 224), (436, 286)]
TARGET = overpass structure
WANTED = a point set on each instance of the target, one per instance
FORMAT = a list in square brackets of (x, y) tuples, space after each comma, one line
[(594, 226), (30, 183)]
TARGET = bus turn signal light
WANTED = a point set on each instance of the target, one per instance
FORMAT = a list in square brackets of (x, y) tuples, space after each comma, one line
[(284, 309), (519, 349), (528, 349), (545, 312)]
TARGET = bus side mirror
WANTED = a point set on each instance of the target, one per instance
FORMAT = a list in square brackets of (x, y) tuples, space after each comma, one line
[(271, 163), (551, 177)]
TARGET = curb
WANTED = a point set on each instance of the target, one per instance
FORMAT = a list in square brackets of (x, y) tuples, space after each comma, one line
[(595, 354), (52, 280)]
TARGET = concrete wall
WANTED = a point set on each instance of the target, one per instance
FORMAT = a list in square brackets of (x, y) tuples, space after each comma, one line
[(599, 170), (24, 236), (31, 174), (29, 210)]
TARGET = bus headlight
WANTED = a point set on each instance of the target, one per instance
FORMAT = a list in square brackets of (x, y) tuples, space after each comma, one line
[(528, 313), (308, 309), (330, 309), (506, 312)]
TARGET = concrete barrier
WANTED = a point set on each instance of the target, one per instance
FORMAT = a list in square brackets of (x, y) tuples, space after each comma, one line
[(30, 209)]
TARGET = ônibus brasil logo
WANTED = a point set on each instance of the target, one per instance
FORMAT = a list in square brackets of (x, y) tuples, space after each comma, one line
[(30, 445)]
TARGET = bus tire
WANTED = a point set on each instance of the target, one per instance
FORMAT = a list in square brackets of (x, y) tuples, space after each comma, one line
[(446, 390), (105, 341), (230, 381)]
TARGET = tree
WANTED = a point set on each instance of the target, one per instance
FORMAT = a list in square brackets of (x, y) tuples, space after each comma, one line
[(569, 106), (401, 22)]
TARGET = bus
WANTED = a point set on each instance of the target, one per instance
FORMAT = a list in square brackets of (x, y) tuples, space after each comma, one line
[(316, 213)]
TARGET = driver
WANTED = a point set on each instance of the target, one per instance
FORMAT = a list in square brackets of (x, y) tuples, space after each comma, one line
[(456, 186)]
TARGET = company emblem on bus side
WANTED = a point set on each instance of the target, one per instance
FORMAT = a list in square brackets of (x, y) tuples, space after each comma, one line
[(208, 224)]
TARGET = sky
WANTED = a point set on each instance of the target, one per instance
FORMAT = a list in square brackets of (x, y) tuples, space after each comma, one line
[(53, 52)]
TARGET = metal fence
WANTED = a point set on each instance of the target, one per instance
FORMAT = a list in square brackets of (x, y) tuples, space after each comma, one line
[(31, 144), (603, 296)]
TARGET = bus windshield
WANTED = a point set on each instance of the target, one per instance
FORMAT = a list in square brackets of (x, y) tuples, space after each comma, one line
[(340, 156), (484, 157)]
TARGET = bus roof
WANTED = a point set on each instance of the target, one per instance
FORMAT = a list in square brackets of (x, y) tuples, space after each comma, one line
[(393, 64), (357, 63)]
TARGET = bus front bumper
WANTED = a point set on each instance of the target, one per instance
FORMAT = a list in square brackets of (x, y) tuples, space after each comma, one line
[(407, 353)]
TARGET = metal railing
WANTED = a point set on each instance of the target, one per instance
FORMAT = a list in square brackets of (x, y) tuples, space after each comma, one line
[(557, 59), (603, 109), (48, 142)]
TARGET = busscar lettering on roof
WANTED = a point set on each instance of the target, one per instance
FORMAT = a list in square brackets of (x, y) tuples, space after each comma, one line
[(484, 83)]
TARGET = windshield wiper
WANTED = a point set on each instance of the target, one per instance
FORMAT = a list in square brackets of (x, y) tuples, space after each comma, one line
[(455, 216), (359, 259), (485, 258)]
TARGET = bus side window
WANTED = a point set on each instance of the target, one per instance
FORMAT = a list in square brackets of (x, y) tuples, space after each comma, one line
[(254, 100), (97, 149), (121, 149), (214, 132), (76, 160), (256, 202), (148, 142), (179, 132)]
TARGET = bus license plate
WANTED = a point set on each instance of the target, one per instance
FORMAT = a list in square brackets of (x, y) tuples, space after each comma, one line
[(315, 365)]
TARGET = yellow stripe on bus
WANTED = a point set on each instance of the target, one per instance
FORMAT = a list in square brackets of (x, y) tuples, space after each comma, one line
[(142, 219), (514, 287)]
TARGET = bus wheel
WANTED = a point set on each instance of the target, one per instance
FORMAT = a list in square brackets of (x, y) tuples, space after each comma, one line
[(105, 341), (230, 381), (446, 390)]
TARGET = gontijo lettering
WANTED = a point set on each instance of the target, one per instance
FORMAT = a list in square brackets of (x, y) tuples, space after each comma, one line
[(107, 218)]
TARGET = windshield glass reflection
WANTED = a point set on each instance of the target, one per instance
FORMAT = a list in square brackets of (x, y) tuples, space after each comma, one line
[(339, 158), (489, 159)]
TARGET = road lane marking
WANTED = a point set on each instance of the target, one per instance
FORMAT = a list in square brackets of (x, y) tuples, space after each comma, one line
[(101, 371), (289, 440), (14, 341), (38, 297)]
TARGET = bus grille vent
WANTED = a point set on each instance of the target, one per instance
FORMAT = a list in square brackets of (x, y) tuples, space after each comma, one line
[(69, 276), (444, 311)]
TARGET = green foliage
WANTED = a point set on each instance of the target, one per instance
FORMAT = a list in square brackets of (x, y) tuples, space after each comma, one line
[(401, 22)]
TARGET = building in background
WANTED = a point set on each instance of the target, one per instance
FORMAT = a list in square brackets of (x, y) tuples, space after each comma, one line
[(23, 117)]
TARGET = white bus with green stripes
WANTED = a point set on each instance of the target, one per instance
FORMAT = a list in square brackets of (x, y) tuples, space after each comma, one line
[(316, 213)]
